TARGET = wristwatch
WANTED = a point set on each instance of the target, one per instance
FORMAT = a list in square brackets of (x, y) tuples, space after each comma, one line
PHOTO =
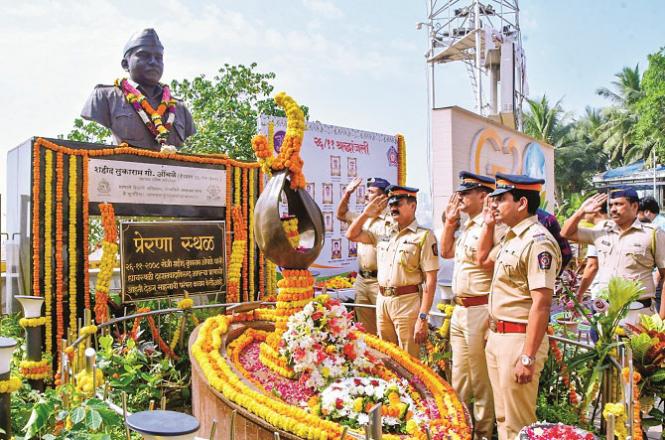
[(527, 360), (422, 316)]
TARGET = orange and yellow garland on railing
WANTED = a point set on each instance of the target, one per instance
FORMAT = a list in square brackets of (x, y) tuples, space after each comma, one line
[(109, 252)]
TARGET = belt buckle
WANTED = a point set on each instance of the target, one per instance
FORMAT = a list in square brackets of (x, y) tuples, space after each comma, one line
[(389, 291), (493, 325), (458, 301)]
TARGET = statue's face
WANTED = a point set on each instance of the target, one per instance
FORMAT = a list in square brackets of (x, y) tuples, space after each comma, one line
[(145, 65)]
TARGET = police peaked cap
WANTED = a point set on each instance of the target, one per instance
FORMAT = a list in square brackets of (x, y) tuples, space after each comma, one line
[(470, 181)]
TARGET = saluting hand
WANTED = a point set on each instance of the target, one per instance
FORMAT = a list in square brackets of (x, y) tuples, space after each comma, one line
[(353, 185), (452, 212), (593, 204), (489, 216), (376, 206), (420, 331)]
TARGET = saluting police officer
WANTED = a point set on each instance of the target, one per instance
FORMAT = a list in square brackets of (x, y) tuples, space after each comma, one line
[(519, 306), (471, 287), (626, 247), (407, 256), (366, 285)]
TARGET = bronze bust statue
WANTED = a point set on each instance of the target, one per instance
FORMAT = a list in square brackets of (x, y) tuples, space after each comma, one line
[(139, 110)]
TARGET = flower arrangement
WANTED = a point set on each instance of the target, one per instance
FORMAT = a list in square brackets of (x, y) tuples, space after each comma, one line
[(338, 282), (152, 118), (349, 401), (554, 431), (617, 410), (322, 343), (290, 226), (32, 322), (10, 385), (35, 370)]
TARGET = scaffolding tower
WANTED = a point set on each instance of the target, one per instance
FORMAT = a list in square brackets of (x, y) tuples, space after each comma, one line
[(486, 37)]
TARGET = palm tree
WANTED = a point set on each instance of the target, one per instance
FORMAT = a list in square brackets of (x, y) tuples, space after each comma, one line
[(546, 122), (617, 134)]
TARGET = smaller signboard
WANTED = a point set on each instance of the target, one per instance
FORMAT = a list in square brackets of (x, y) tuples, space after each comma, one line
[(161, 259)]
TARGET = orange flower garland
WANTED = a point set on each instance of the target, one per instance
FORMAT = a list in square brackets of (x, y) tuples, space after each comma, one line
[(36, 153), (229, 202), (245, 209), (563, 368), (237, 254), (637, 419), (59, 266), (86, 232), (250, 236), (48, 250), (401, 159), (262, 260), (110, 248)]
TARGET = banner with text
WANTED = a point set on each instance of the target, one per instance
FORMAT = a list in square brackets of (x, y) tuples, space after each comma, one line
[(115, 181), (160, 259), (333, 157)]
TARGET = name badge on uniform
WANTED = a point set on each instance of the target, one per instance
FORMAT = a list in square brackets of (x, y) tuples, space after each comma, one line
[(545, 260)]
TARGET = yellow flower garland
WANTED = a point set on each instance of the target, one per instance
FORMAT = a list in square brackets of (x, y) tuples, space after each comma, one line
[(73, 176), (48, 249), (35, 370), (32, 322), (84, 381), (618, 410), (250, 238), (447, 309), (11, 385), (401, 160), (88, 330)]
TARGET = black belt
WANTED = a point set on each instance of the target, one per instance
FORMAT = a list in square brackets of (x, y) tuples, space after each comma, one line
[(646, 302), (368, 273)]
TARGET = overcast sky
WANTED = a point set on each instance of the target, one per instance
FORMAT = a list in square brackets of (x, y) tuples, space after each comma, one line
[(355, 63)]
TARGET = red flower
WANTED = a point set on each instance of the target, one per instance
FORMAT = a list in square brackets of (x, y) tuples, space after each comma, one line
[(320, 356), (317, 315), (339, 403), (349, 352), (299, 354), (357, 381), (374, 383)]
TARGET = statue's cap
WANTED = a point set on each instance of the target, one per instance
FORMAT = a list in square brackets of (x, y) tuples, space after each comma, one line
[(146, 37)]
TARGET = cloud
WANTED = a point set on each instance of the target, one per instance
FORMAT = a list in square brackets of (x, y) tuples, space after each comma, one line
[(323, 7)]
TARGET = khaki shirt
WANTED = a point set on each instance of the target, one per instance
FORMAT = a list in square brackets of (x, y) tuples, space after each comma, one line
[(632, 254), (529, 259), (403, 256), (469, 278), (108, 106), (367, 252)]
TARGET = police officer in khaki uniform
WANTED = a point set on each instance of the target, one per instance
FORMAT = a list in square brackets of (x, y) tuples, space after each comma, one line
[(626, 247), (471, 287), (407, 256), (366, 285), (519, 307)]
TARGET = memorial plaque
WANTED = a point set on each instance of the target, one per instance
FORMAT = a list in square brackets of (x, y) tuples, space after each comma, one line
[(161, 259)]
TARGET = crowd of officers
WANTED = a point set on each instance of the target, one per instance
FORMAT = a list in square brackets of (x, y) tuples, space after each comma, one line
[(507, 259)]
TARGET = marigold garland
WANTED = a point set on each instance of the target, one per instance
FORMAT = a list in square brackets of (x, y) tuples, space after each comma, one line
[(11, 385), (250, 235), (35, 370), (245, 213), (88, 330), (36, 154), (59, 266), (73, 225), (617, 410), (637, 418), (48, 250), (563, 368), (262, 262), (227, 210), (290, 226), (237, 256), (289, 152), (109, 253), (86, 233), (32, 322), (401, 159)]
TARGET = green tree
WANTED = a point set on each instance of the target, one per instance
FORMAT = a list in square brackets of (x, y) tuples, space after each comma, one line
[(546, 122), (226, 109), (650, 108), (617, 133), (88, 131)]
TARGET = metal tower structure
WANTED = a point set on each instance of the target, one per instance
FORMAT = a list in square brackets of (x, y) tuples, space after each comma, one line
[(486, 37)]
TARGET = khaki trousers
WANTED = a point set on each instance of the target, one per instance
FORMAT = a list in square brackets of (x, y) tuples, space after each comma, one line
[(396, 319), (514, 403), (366, 291), (468, 330)]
